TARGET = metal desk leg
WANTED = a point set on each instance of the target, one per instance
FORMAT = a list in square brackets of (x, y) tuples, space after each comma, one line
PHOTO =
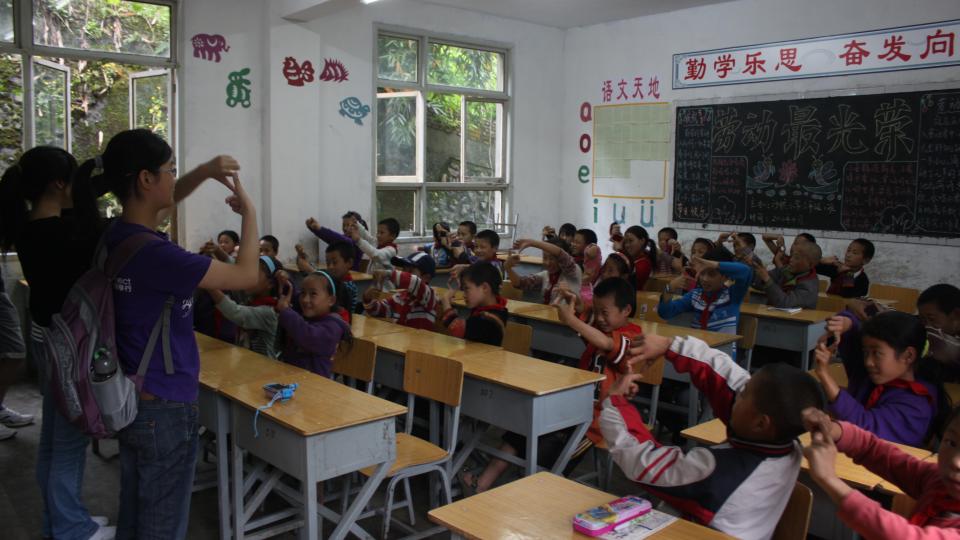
[(348, 518), (223, 468), (532, 442), (237, 488), (310, 530), (568, 449)]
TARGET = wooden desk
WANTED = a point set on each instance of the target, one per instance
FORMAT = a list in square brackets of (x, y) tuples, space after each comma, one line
[(206, 343), (524, 259), (715, 432), (789, 331), (539, 506), (552, 336), (326, 430), (222, 364), (527, 396), (362, 326)]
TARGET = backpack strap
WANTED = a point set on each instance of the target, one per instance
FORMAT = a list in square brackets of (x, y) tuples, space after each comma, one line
[(112, 262), (162, 326)]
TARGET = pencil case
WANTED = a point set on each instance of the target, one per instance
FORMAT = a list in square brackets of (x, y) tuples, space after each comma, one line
[(606, 517)]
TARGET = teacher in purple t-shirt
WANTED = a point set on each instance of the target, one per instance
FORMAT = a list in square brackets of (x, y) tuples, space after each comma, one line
[(158, 450)]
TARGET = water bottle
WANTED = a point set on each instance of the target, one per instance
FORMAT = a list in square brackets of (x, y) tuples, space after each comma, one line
[(104, 365)]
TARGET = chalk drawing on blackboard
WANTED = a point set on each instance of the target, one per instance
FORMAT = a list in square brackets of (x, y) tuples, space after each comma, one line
[(759, 130), (787, 174), (891, 119), (846, 125), (825, 176), (897, 220), (762, 172), (802, 131), (725, 211)]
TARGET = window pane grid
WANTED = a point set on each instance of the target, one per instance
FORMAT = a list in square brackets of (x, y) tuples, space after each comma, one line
[(460, 154)]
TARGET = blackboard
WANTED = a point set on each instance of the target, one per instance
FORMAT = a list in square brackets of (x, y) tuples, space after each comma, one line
[(883, 163)]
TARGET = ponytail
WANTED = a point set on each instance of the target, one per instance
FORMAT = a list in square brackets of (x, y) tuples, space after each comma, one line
[(26, 182)]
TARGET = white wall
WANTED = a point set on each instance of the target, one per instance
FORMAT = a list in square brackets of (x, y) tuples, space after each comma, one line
[(208, 126), (644, 46), (314, 162)]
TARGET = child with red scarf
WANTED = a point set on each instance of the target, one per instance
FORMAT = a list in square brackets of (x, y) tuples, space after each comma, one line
[(415, 302), (558, 267), (488, 310), (257, 320), (934, 485), (794, 285), (888, 392)]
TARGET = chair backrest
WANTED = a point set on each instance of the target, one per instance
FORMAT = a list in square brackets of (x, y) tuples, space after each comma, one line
[(647, 309), (906, 298), (823, 285), (653, 285), (433, 377), (795, 521), (517, 338), (510, 292), (654, 374), (356, 360), (832, 303), (364, 264), (747, 329)]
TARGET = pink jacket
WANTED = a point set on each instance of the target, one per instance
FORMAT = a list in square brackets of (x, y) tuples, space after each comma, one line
[(918, 479)]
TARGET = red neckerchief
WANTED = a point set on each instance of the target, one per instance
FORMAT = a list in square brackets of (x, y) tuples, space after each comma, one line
[(264, 301), (501, 305), (344, 314), (913, 386), (792, 283), (347, 277), (940, 503), (841, 281), (552, 279), (705, 314)]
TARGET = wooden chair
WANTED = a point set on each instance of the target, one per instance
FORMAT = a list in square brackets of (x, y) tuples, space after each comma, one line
[(356, 362), (440, 380), (510, 292), (823, 285), (906, 298), (364, 264), (795, 521), (832, 303), (517, 338), (747, 329), (647, 308)]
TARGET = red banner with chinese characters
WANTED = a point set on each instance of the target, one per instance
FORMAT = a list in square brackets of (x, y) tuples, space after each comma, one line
[(908, 47)]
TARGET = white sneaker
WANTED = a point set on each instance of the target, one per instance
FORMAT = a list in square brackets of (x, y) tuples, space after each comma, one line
[(12, 418), (102, 521), (104, 533), (6, 433)]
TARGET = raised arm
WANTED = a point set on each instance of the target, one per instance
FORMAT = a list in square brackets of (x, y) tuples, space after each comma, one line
[(243, 274)]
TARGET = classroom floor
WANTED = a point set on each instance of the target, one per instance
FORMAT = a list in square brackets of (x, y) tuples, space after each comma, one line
[(21, 505)]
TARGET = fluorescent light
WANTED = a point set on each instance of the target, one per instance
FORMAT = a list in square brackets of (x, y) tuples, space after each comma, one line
[(368, 1)]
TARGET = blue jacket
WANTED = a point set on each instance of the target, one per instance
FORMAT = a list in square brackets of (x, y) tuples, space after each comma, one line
[(718, 311)]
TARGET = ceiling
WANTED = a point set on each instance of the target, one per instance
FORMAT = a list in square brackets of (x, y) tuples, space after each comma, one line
[(572, 13)]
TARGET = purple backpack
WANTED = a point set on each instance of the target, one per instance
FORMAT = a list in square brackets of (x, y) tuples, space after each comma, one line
[(84, 330)]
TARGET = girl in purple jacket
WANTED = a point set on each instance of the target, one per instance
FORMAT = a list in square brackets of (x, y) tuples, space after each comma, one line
[(890, 391), (312, 338)]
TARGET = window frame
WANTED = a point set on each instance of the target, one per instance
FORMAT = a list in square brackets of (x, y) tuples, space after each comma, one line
[(421, 87), (29, 52)]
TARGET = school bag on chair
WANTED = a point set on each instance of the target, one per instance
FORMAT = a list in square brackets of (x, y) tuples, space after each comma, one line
[(84, 334)]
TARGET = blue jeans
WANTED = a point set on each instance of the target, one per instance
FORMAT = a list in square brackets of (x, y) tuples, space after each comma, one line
[(61, 458), (158, 454)]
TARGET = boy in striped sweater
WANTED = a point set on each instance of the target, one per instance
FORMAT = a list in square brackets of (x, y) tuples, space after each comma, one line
[(415, 302)]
